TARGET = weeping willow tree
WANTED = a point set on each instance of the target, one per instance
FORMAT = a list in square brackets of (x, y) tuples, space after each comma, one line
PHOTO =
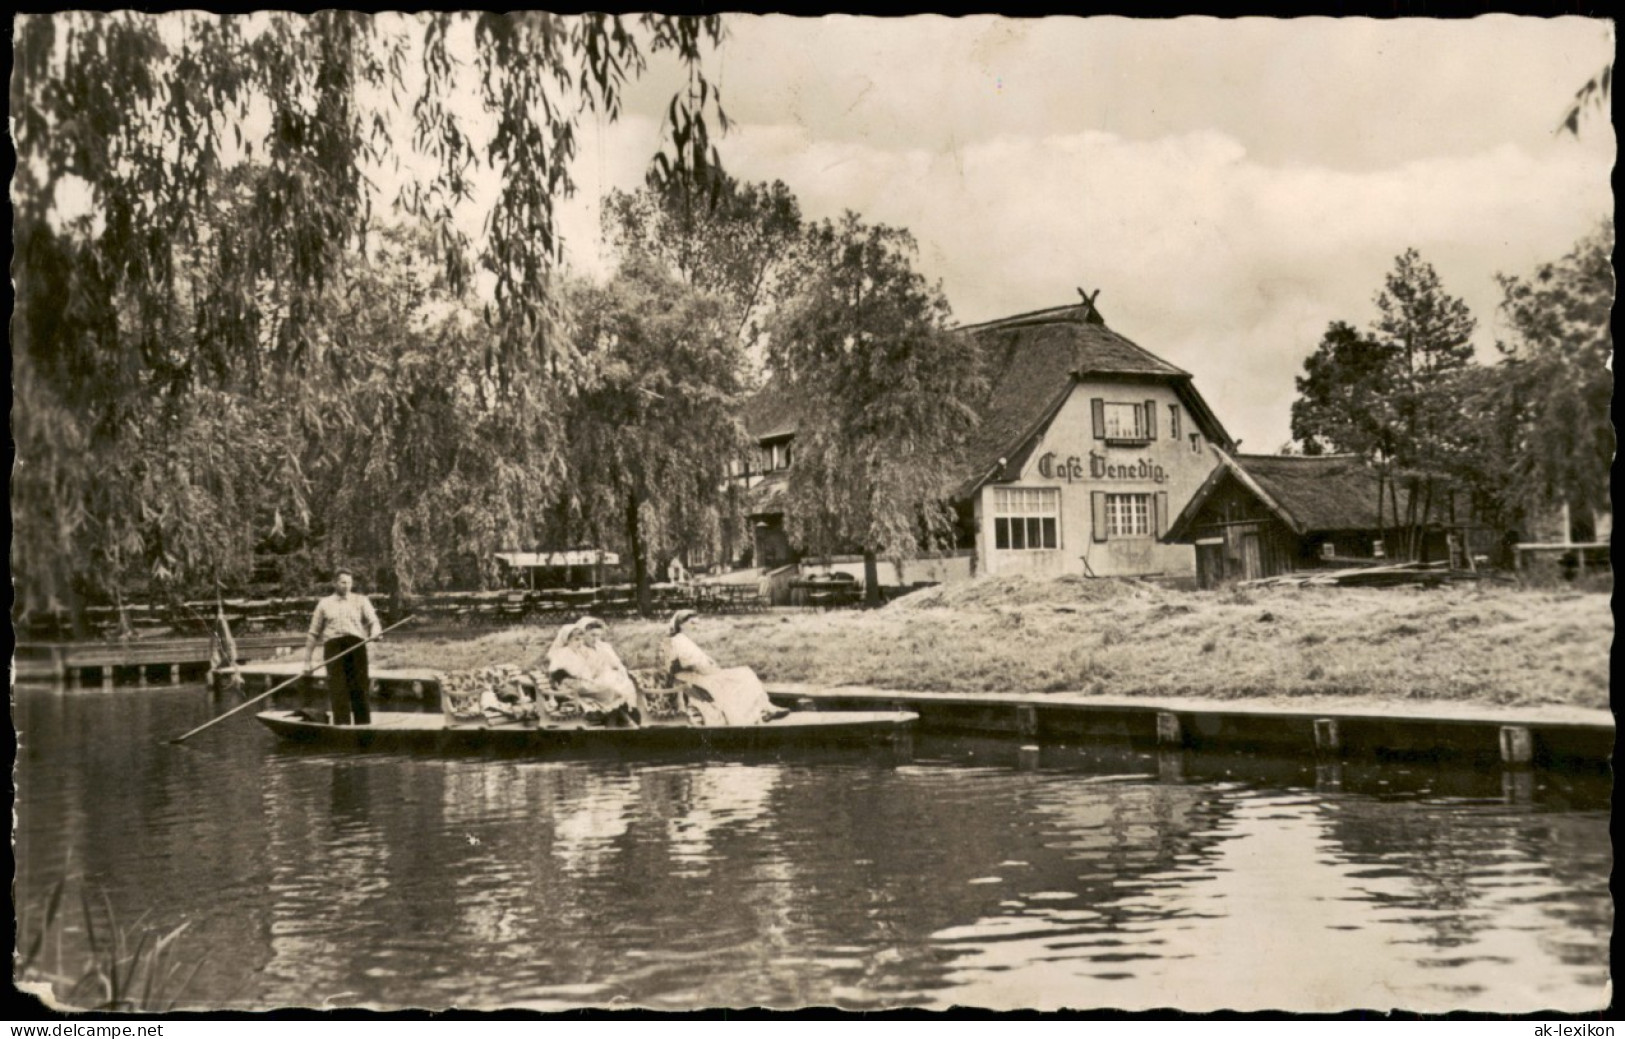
[(1555, 380), (425, 461), (193, 192), (655, 423), (890, 397)]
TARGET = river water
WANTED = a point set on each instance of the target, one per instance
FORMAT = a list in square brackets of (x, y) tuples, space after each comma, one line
[(962, 872)]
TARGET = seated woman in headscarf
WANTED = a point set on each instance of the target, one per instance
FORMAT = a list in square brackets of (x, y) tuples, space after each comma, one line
[(583, 665), (731, 696)]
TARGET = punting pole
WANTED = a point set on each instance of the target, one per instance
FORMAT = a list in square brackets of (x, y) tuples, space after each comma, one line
[(283, 685)]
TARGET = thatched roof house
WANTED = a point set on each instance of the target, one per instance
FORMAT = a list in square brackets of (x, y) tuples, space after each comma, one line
[(1037, 358), (1087, 445), (1040, 357)]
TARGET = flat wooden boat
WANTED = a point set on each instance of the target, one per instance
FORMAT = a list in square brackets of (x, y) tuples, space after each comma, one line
[(401, 731)]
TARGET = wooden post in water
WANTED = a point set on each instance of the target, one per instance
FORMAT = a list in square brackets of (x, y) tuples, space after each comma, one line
[(1168, 732), (1328, 741), (1027, 720), (1517, 746), (1027, 757)]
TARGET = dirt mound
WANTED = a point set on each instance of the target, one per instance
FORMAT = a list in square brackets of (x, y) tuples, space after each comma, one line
[(989, 593)]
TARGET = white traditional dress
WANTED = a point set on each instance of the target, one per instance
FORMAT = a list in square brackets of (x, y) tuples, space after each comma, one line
[(737, 696), (602, 681)]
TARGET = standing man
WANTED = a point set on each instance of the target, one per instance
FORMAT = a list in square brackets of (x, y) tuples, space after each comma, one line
[(342, 620)]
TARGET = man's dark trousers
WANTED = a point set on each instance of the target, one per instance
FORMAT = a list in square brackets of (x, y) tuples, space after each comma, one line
[(347, 681)]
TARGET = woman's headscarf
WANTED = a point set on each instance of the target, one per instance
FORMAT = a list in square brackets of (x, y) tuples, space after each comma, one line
[(561, 646), (562, 638), (678, 619)]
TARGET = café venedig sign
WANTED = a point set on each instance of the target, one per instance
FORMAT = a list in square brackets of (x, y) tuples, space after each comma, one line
[(1071, 469)]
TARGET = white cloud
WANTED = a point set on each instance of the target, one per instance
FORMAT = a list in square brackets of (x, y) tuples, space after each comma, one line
[(1226, 266), (1231, 187)]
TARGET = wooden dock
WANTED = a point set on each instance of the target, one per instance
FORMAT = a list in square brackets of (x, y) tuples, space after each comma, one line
[(142, 660), (400, 685), (1464, 734)]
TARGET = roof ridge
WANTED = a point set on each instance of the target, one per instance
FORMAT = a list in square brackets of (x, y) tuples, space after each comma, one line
[(1341, 456), (1029, 317), (1076, 314)]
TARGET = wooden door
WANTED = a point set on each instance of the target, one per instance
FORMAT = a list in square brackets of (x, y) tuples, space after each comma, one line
[(1209, 565), (1252, 561)]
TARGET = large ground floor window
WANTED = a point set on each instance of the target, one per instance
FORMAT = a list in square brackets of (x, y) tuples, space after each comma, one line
[(1026, 518), (1128, 515)]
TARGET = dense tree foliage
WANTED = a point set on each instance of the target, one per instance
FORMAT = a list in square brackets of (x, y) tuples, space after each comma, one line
[(192, 200), (423, 460), (656, 421), (1343, 403), (738, 242), (1389, 393), (890, 396), (1557, 377), (1523, 436), (1394, 395), (1429, 336)]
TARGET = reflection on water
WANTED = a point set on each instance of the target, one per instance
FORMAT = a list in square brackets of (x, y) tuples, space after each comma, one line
[(975, 873)]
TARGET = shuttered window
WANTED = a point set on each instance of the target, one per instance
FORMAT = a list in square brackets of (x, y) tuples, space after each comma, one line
[(1115, 420), (1129, 515), (1173, 422), (1026, 518)]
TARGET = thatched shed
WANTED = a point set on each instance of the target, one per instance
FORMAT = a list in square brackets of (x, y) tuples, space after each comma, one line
[(1261, 515)]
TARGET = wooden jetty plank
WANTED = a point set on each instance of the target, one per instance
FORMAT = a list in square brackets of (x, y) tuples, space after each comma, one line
[(57, 659), (1545, 735), (408, 683)]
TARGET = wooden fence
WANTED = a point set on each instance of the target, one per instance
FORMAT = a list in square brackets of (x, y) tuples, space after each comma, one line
[(143, 621)]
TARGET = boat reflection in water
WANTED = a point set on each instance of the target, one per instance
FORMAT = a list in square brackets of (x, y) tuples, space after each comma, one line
[(975, 873)]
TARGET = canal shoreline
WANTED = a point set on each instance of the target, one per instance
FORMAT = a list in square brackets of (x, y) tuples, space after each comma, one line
[(1326, 729), (1490, 674)]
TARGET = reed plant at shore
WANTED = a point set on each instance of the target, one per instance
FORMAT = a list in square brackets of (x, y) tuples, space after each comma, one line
[(134, 968)]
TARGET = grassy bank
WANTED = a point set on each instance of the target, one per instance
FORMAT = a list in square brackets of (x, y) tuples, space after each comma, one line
[(1491, 644)]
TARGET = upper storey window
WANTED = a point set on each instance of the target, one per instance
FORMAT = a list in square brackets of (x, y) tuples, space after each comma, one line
[(1124, 422), (776, 456)]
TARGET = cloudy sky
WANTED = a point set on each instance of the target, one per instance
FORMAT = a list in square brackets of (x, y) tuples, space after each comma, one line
[(1231, 187)]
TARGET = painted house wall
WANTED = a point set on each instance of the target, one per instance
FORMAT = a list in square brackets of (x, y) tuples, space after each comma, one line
[(1070, 459)]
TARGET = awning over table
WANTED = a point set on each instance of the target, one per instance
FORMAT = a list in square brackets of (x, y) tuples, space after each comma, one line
[(569, 557)]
